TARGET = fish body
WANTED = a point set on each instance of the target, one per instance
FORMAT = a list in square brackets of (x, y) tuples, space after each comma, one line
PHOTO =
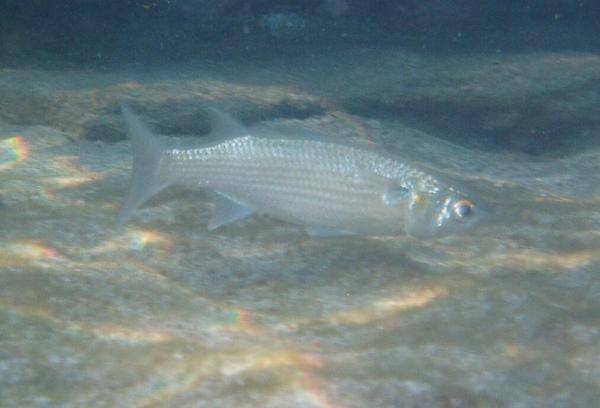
[(328, 188)]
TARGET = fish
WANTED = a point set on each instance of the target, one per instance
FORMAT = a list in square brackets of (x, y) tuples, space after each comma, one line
[(328, 188)]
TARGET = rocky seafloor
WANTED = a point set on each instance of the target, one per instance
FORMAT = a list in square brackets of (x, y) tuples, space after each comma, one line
[(161, 312)]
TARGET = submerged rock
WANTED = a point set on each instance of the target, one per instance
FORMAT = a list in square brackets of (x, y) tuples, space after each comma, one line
[(526, 103)]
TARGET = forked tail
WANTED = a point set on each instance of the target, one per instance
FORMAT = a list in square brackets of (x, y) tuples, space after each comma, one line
[(145, 178)]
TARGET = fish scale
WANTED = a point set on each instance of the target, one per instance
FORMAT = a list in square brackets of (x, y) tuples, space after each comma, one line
[(316, 182)]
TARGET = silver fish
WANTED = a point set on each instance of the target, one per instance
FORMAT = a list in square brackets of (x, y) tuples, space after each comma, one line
[(328, 188)]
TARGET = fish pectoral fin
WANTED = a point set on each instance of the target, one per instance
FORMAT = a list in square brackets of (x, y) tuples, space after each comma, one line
[(395, 194), (227, 211), (317, 231)]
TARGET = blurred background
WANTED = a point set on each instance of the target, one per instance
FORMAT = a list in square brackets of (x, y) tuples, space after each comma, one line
[(102, 31)]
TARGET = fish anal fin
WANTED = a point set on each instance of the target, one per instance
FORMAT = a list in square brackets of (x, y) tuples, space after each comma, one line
[(227, 211)]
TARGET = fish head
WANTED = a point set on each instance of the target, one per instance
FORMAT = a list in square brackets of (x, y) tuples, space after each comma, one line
[(443, 213)]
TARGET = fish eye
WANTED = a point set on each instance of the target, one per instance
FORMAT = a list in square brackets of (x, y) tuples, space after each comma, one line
[(463, 208)]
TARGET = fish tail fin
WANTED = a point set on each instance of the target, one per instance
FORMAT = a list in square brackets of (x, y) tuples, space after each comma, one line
[(145, 177)]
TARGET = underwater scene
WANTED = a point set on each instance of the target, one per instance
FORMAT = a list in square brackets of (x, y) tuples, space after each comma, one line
[(320, 203)]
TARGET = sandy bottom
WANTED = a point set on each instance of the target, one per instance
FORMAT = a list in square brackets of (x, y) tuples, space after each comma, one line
[(161, 312)]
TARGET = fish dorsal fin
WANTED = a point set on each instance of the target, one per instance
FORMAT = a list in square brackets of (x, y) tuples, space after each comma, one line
[(227, 211), (224, 126)]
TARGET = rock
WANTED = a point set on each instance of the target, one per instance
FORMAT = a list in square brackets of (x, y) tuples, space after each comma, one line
[(523, 102)]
